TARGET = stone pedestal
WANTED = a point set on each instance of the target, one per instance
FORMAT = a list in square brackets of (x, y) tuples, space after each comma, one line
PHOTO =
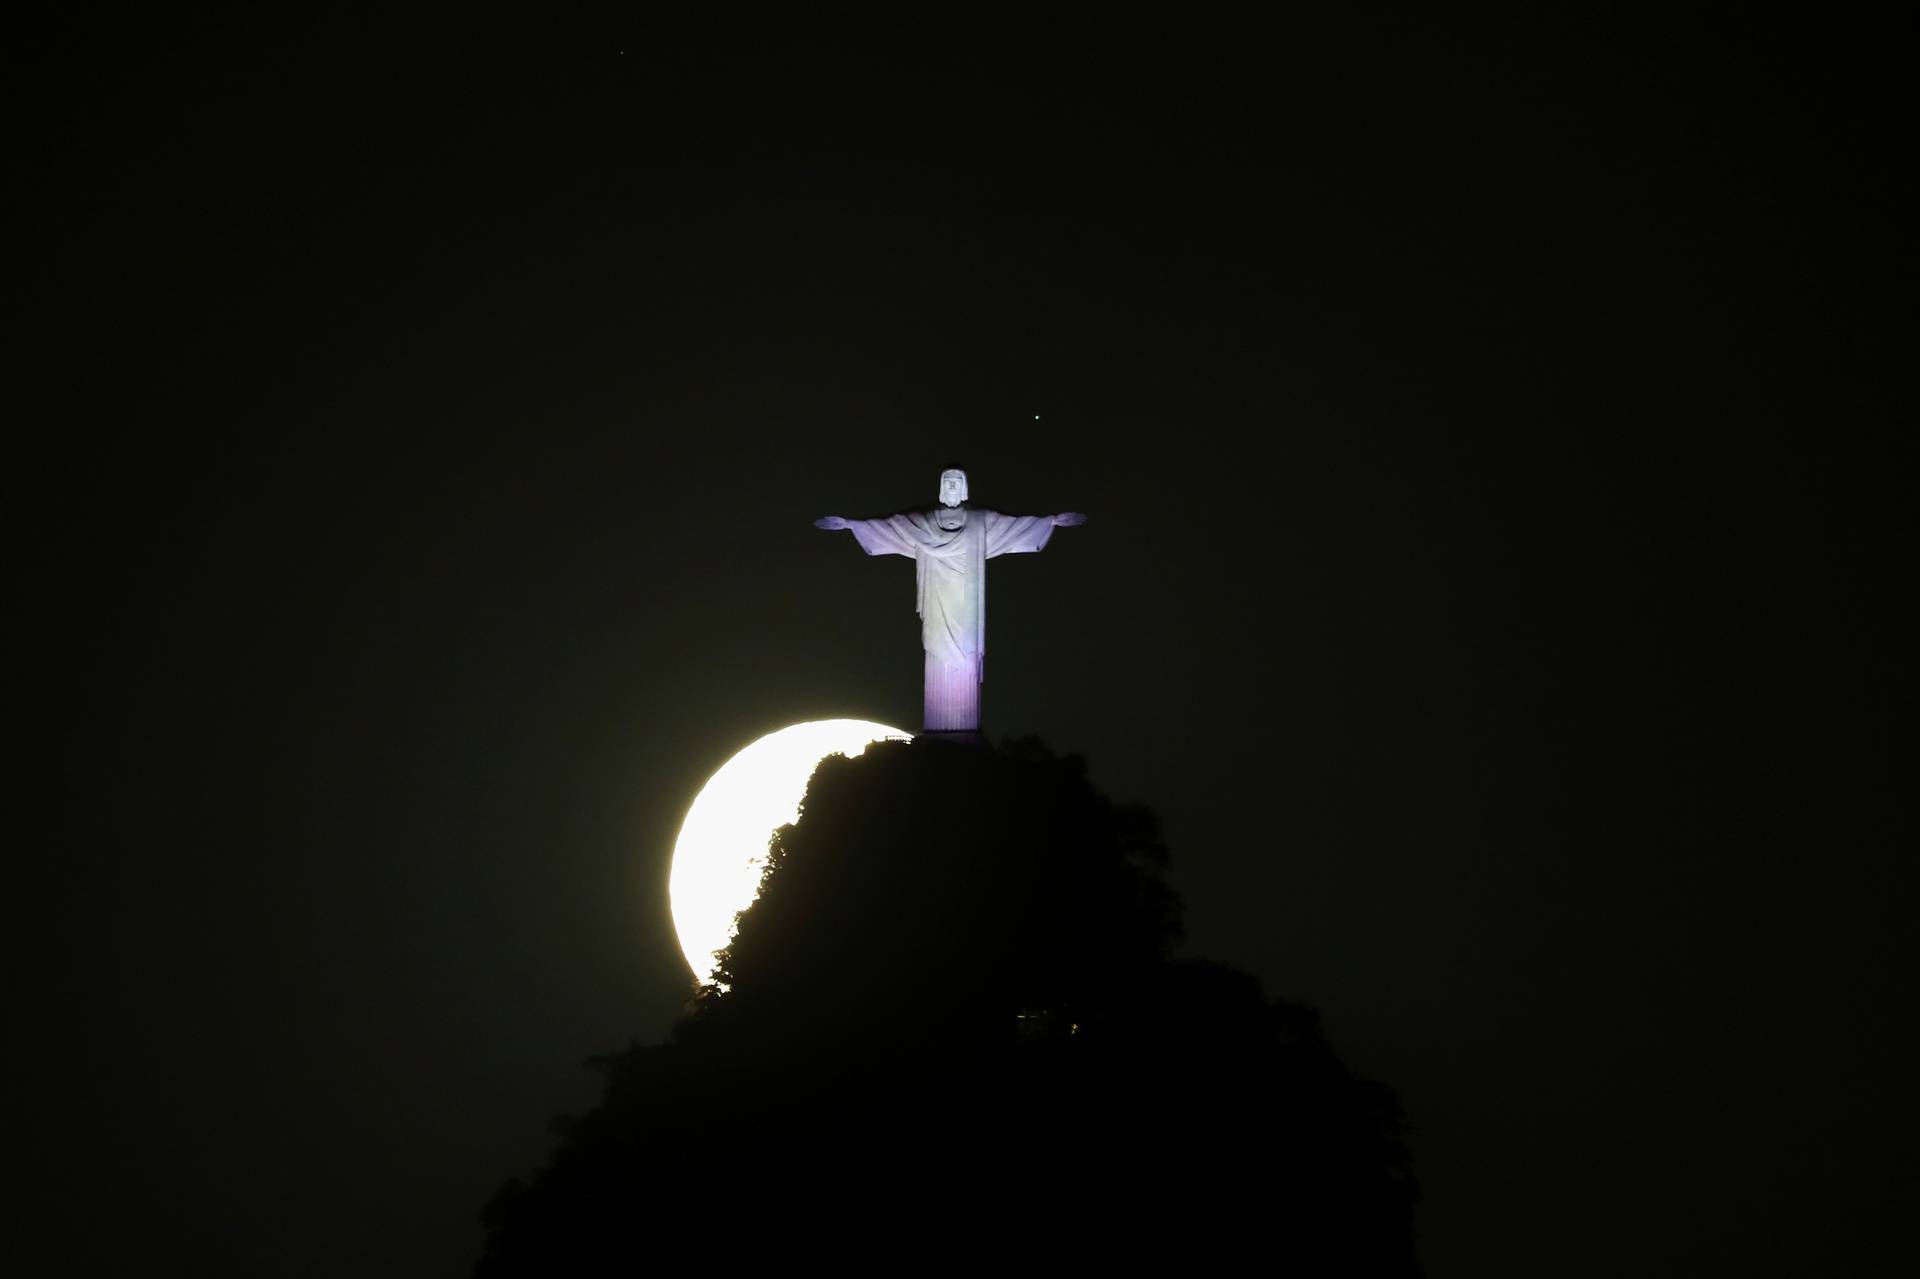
[(972, 739)]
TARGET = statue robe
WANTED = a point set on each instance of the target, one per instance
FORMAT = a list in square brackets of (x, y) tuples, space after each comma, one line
[(950, 547)]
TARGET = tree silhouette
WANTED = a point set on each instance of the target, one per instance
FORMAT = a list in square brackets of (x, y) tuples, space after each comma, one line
[(952, 1030)]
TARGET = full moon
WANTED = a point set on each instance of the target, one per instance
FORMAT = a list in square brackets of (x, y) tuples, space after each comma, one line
[(722, 847)]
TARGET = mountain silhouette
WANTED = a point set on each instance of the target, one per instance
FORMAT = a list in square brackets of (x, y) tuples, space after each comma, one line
[(952, 1030)]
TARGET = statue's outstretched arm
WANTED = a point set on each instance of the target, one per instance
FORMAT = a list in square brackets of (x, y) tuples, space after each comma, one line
[(889, 536)]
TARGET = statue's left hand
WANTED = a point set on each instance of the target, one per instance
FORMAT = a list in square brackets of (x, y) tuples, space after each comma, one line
[(1067, 519)]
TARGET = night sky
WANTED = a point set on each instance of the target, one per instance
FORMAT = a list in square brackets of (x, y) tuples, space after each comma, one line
[(1496, 509)]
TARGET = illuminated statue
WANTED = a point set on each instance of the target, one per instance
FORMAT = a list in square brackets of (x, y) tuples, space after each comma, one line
[(950, 546)]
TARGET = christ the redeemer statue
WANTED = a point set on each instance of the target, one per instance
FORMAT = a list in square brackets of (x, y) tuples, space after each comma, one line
[(950, 546)]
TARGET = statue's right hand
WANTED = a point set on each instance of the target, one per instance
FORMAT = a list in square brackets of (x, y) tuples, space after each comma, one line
[(833, 522)]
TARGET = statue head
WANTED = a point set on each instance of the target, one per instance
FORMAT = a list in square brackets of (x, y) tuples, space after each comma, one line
[(953, 486)]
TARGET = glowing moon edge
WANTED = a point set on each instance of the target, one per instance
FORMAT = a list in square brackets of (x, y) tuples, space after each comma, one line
[(722, 848)]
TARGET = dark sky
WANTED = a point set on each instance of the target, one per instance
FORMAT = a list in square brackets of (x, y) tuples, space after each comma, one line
[(1495, 494)]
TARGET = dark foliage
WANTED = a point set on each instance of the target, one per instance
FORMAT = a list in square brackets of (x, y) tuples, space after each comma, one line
[(951, 1030)]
